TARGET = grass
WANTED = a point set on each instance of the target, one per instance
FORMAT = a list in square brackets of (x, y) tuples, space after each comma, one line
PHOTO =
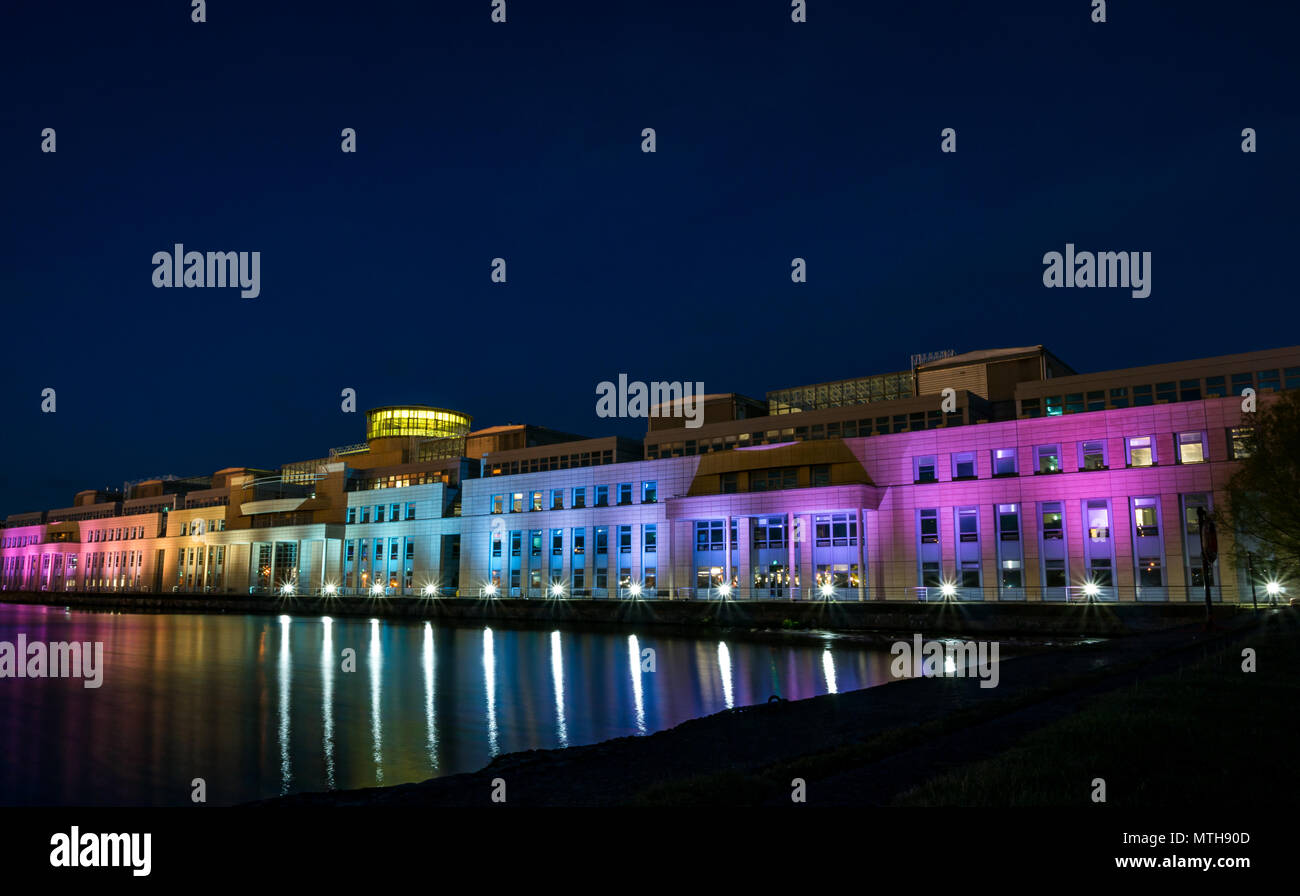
[(1209, 734)]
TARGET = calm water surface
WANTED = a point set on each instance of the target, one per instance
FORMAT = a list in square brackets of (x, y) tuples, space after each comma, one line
[(259, 706)]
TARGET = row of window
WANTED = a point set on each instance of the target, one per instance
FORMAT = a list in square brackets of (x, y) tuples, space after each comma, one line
[(391, 512), (1097, 540), (1093, 454), (1273, 380), (842, 429), (554, 462), (521, 501)]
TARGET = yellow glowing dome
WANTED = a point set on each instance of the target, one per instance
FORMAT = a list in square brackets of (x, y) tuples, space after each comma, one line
[(404, 421)]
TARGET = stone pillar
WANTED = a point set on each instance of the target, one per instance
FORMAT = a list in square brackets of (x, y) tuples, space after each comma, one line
[(743, 571)]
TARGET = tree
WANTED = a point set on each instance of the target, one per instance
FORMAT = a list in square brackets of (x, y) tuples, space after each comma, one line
[(1264, 493)]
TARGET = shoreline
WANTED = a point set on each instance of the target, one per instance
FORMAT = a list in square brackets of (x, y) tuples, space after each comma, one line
[(1037, 621)]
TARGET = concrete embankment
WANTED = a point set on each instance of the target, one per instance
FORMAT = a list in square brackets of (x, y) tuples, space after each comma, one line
[(1028, 620)]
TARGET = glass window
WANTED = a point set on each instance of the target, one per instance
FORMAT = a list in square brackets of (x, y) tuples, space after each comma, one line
[(1239, 442), (929, 526), (925, 469), (1053, 523), (1092, 455), (517, 502), (625, 493), (651, 543), (379, 513), (967, 524), (1048, 458), (649, 492), (602, 496), (1004, 462), (1140, 452), (1144, 517), (963, 465), (1191, 447), (579, 497), (557, 499)]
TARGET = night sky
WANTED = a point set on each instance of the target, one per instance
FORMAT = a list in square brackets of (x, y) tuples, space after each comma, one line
[(523, 140)]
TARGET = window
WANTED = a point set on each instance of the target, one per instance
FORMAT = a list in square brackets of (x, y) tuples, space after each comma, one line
[(557, 499), (557, 542), (1008, 523), (579, 497), (929, 526), (649, 492), (498, 504), (602, 496), (624, 493), (708, 535), (395, 513), (410, 510), (535, 501), (1191, 447), (516, 542), (1092, 455), (819, 475), (379, 513), (535, 543), (925, 467), (967, 524), (625, 539), (517, 502), (727, 484), (392, 552), (1048, 458), (1053, 524), (1142, 396), (602, 540), (1140, 452), (963, 465), (1004, 462), (773, 480), (1144, 517), (1098, 520), (1239, 442), (769, 533), (651, 544)]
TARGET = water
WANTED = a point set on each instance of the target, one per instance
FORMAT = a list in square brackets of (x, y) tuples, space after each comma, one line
[(258, 706)]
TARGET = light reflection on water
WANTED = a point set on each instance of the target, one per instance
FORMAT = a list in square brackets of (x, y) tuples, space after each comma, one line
[(258, 706)]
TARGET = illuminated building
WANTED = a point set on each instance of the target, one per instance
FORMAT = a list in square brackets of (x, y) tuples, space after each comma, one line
[(1033, 482)]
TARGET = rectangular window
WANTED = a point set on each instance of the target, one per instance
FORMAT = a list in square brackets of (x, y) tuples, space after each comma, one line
[(557, 499), (624, 493), (625, 539), (1240, 442), (1141, 452), (602, 540), (967, 524), (579, 498), (1191, 447), (602, 496), (395, 513), (728, 484), (1053, 524), (929, 525), (557, 542), (1092, 455), (963, 465), (517, 502), (379, 513), (649, 492), (1048, 458), (925, 469), (651, 538), (410, 510), (536, 501), (352, 515), (1004, 462), (579, 543), (1008, 523), (1145, 518), (516, 543)]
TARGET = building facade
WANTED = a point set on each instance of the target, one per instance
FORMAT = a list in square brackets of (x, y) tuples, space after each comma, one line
[(998, 476)]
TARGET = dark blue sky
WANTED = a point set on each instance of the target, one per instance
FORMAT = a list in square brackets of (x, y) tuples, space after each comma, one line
[(522, 140)]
